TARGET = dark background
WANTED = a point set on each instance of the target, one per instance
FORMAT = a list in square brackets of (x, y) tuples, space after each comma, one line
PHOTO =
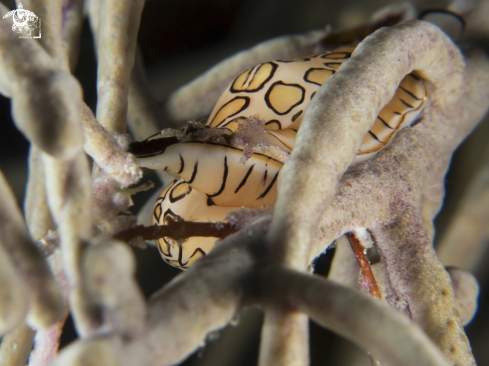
[(180, 39)]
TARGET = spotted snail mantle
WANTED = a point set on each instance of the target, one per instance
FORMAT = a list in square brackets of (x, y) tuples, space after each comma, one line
[(235, 159)]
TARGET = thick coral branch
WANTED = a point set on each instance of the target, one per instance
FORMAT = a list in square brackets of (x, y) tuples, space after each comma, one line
[(236, 273), (205, 297), (422, 287), (177, 230), (331, 133)]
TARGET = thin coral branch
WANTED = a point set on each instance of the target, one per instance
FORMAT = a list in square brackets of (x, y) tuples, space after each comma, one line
[(46, 341), (52, 30), (14, 302), (37, 215), (69, 198), (344, 267), (72, 23), (109, 154), (66, 169), (364, 265), (18, 251), (177, 230), (284, 339), (112, 291), (151, 147), (116, 46)]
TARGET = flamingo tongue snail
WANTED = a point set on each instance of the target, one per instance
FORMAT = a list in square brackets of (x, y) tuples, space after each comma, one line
[(214, 179)]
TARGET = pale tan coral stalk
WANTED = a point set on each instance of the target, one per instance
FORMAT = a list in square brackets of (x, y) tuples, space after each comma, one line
[(72, 11), (107, 152), (36, 211), (32, 287), (16, 346), (51, 14), (116, 45), (284, 338)]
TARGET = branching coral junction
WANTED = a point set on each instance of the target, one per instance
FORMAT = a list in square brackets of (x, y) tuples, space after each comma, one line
[(390, 200)]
